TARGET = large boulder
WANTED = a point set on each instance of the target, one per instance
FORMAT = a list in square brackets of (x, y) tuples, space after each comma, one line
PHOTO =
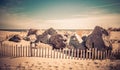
[(95, 40), (50, 31), (32, 31), (44, 37), (15, 38), (57, 41), (76, 43)]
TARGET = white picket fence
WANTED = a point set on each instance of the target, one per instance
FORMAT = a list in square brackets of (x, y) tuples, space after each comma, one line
[(27, 51)]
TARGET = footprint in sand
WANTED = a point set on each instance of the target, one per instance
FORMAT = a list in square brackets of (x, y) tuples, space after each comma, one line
[(70, 68)]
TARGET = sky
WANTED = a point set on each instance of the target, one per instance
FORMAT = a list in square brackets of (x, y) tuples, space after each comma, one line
[(59, 14)]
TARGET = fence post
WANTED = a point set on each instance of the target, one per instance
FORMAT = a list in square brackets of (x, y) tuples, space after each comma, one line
[(51, 53), (63, 54), (101, 52), (87, 51), (54, 53), (19, 48), (25, 51), (3, 49), (93, 51), (0, 50), (9, 51), (90, 52), (60, 54), (45, 52), (66, 53), (117, 52), (109, 54), (96, 53), (41, 52), (72, 54), (29, 51), (77, 53), (6, 50), (106, 54), (48, 53), (38, 51), (81, 54), (57, 53), (18, 51), (69, 56), (34, 52), (14, 51)]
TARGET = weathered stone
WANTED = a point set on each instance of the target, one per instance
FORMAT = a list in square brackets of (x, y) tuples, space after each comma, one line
[(32, 31), (15, 38), (95, 40), (57, 41)]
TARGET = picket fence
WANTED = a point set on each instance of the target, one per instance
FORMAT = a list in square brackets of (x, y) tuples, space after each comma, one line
[(27, 51)]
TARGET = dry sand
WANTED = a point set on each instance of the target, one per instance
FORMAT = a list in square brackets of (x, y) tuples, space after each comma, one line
[(37, 63)]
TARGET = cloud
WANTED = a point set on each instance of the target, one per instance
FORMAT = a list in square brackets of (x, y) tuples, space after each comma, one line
[(86, 20), (107, 5), (89, 22)]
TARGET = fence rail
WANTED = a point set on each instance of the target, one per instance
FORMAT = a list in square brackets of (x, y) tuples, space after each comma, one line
[(27, 51)]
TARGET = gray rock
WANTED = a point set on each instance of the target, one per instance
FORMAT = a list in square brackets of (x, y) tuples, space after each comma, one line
[(76, 44), (94, 40), (15, 38), (57, 41), (32, 31)]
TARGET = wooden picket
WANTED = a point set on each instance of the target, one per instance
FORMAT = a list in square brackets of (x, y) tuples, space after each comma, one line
[(27, 51)]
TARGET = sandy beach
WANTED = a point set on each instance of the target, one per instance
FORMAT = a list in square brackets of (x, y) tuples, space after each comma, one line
[(37, 63)]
